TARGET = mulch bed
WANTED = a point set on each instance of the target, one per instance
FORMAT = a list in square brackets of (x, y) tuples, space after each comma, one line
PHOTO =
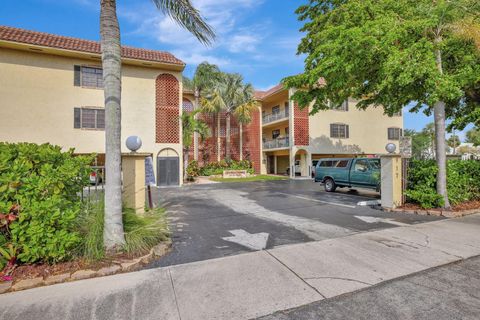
[(44, 270), (469, 205)]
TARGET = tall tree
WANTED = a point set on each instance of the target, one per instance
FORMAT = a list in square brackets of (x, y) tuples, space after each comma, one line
[(453, 142), (244, 112), (228, 95), (206, 75), (191, 125), (421, 144), (188, 17), (473, 136), (389, 53)]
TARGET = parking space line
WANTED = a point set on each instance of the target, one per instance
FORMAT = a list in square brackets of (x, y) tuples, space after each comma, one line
[(319, 201)]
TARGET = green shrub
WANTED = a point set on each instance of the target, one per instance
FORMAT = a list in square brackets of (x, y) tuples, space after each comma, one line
[(90, 226), (45, 182), (142, 232), (193, 169), (462, 182), (217, 168)]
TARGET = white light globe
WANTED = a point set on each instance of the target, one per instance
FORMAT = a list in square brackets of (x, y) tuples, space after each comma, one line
[(390, 147), (133, 143)]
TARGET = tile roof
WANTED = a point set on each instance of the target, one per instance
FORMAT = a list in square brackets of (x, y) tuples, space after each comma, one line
[(81, 45), (263, 94)]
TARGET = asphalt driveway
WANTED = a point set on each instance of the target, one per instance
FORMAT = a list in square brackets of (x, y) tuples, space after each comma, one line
[(216, 220)]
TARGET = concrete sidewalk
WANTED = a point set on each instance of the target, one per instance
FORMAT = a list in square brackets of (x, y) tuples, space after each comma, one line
[(254, 284)]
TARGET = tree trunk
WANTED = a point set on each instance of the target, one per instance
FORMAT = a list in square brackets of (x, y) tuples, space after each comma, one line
[(113, 235), (185, 163), (440, 145), (219, 140), (227, 136), (195, 134), (240, 129)]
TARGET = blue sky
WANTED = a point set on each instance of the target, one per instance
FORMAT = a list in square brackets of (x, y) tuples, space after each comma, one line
[(257, 38)]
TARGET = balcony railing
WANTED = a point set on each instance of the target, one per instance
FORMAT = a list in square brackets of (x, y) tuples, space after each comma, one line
[(275, 116), (276, 143)]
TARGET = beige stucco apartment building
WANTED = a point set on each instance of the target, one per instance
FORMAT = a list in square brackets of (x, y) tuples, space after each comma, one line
[(293, 139), (51, 91)]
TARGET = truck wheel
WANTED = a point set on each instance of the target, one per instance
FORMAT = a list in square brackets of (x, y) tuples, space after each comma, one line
[(330, 185)]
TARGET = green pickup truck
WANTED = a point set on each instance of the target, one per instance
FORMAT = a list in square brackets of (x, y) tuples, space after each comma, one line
[(348, 173)]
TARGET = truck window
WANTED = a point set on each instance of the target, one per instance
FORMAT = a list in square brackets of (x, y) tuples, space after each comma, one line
[(374, 163), (328, 163), (361, 166), (342, 164)]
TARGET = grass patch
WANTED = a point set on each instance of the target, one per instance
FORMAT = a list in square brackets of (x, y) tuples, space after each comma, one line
[(142, 232), (260, 177)]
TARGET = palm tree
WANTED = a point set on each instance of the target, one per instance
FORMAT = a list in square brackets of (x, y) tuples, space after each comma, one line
[(233, 97), (206, 75), (244, 112), (191, 125), (188, 17)]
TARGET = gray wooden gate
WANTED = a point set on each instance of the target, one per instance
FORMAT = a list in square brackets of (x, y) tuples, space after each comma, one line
[(168, 171)]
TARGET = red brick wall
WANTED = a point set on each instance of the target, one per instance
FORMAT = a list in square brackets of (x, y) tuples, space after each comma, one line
[(301, 126), (167, 109), (251, 140)]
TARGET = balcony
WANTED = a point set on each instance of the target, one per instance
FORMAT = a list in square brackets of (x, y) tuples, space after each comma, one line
[(276, 143), (275, 116)]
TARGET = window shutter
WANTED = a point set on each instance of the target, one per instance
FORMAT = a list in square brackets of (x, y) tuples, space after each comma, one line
[(100, 119), (76, 76), (331, 130), (76, 118), (346, 105), (347, 133), (390, 133)]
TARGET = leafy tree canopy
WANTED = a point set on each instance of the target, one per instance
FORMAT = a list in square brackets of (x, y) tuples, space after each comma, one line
[(473, 136), (382, 53)]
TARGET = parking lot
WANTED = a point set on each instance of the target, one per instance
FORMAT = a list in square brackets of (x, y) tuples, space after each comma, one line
[(216, 220)]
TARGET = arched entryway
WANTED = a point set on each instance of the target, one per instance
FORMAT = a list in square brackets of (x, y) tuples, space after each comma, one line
[(300, 164), (168, 168)]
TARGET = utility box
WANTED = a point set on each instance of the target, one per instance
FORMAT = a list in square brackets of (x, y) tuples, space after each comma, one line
[(391, 181)]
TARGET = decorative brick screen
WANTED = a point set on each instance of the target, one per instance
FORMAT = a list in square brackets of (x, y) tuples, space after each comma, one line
[(167, 98), (301, 126), (187, 107)]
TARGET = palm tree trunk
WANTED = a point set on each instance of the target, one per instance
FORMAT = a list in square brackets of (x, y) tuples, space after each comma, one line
[(440, 146), (240, 129), (113, 235), (195, 134), (219, 140), (227, 136), (185, 163)]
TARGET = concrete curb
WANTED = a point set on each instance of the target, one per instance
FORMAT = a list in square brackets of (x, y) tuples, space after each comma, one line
[(118, 266), (254, 284), (438, 213)]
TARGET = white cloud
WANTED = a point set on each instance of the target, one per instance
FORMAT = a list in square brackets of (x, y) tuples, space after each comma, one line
[(194, 58), (243, 42)]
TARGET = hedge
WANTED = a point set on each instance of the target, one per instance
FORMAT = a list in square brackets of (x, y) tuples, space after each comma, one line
[(463, 182), (217, 168), (39, 201)]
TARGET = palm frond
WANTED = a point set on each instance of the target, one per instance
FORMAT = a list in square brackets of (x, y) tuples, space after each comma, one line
[(183, 12)]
